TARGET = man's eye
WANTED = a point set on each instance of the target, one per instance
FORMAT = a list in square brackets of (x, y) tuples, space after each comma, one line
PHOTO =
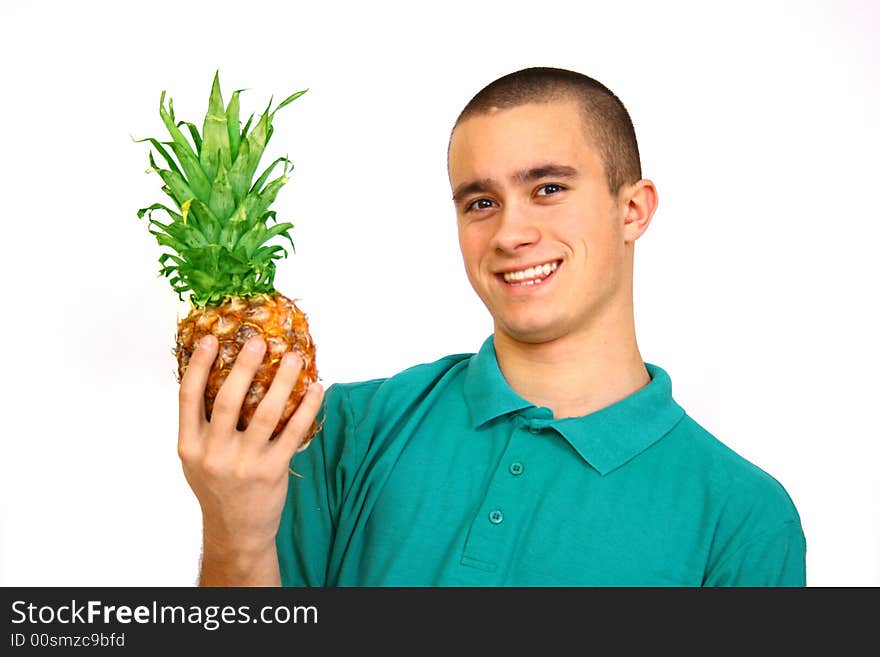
[(549, 188), (479, 204)]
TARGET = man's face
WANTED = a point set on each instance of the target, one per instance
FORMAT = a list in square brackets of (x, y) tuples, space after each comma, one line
[(542, 237)]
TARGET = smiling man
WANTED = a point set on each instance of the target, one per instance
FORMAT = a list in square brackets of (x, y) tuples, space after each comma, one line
[(554, 456)]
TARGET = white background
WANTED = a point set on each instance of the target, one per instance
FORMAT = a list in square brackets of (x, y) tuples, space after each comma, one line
[(756, 284)]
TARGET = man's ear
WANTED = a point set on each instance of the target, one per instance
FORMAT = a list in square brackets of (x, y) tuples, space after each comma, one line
[(639, 202)]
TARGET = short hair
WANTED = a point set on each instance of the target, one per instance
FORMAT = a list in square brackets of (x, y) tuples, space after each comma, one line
[(605, 117)]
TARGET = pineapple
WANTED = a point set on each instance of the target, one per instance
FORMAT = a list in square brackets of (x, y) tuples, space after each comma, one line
[(218, 233)]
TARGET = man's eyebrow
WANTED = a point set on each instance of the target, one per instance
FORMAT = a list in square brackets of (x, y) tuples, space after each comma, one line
[(472, 187), (545, 171), (523, 176)]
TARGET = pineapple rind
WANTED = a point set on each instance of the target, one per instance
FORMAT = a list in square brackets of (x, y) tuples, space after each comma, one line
[(234, 320)]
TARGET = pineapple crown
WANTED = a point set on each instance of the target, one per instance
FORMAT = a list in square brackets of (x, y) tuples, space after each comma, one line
[(219, 229)]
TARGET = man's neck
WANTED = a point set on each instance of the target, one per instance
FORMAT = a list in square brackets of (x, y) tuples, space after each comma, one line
[(577, 374)]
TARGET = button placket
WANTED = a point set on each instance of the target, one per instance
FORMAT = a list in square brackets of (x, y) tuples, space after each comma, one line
[(489, 541)]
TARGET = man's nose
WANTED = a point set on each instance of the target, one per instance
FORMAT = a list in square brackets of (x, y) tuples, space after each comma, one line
[(517, 228)]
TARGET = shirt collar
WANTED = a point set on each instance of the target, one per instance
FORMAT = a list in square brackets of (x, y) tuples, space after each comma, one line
[(606, 439)]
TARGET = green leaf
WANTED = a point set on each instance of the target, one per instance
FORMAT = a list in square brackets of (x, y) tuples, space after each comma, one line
[(167, 240), (195, 175), (230, 263), (222, 201), (257, 143), (215, 135), (233, 124), (249, 241), (283, 230), (205, 259), (158, 206), (268, 275), (178, 188), (238, 175), (259, 235), (270, 251), (202, 281), (289, 100), (194, 132), (182, 233), (209, 224), (246, 126), (171, 126), (158, 146), (257, 186), (170, 256), (230, 234), (257, 204), (240, 216)]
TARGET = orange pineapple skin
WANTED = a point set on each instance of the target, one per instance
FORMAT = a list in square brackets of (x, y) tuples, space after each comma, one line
[(283, 326)]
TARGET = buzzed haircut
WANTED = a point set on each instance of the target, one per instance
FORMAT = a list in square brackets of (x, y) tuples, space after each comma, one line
[(606, 120)]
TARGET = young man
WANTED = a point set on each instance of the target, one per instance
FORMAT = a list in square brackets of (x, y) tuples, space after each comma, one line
[(553, 456)]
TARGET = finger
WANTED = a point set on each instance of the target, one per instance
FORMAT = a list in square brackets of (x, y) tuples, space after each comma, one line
[(192, 388), (230, 397), (272, 406), (301, 421)]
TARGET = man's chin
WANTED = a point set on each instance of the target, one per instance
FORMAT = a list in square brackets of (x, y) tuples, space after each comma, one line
[(532, 334)]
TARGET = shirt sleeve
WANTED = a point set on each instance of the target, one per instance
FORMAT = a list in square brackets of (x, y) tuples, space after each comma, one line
[(310, 516), (775, 558)]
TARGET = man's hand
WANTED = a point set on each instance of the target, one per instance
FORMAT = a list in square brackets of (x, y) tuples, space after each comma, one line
[(240, 477)]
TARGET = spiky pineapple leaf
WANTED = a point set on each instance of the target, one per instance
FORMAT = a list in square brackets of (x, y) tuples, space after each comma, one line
[(167, 240), (195, 175), (215, 135), (219, 235), (257, 140), (208, 222), (194, 133), (257, 203), (170, 125), (247, 125), (180, 191), (233, 124), (148, 211), (181, 232), (292, 97), (259, 235), (222, 201), (159, 147), (258, 185), (238, 176)]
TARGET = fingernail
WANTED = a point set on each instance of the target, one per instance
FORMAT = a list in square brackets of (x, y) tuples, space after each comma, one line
[(255, 344), (290, 358), (205, 342)]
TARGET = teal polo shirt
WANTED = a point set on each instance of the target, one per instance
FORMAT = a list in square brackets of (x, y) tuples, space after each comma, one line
[(443, 476)]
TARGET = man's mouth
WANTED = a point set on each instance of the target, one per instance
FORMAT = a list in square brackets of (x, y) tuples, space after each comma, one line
[(533, 275)]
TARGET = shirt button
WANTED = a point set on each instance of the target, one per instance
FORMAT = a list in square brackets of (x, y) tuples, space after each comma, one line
[(534, 430), (495, 517), (516, 468)]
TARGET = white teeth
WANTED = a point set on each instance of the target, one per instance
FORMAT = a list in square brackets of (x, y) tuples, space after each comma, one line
[(533, 274)]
